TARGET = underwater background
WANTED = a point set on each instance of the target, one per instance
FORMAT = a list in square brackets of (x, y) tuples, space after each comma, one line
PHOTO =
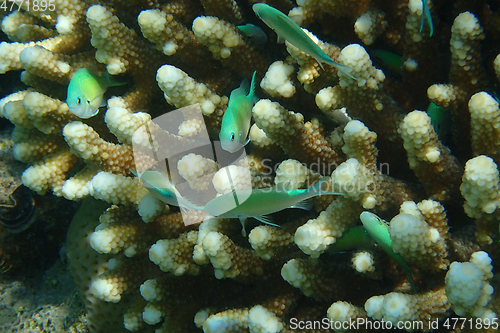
[(408, 129)]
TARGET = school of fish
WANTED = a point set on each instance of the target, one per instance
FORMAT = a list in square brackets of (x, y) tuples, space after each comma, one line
[(86, 94)]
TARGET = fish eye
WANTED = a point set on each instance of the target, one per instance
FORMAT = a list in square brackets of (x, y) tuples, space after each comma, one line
[(232, 136), (78, 100)]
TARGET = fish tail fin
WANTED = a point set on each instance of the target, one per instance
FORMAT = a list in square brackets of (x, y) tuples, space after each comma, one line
[(426, 16), (343, 68), (111, 81), (429, 19), (251, 92), (423, 16)]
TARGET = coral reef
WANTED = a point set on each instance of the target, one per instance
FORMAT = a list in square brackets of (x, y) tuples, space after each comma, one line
[(143, 266)]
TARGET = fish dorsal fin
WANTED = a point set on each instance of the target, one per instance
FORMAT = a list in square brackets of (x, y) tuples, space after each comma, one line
[(243, 90), (383, 222), (304, 204), (101, 80), (92, 69), (267, 220), (317, 186)]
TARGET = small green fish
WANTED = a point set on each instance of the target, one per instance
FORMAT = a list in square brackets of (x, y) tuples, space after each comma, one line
[(379, 231), (86, 91), (254, 33), (354, 238), (236, 121), (440, 120), (261, 202), (159, 185), (426, 17), (392, 60), (290, 31)]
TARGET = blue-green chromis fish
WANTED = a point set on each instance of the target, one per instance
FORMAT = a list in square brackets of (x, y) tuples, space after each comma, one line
[(86, 91), (440, 120), (290, 31), (354, 238), (261, 202), (426, 16), (159, 185), (379, 231), (392, 60), (254, 33), (236, 121)]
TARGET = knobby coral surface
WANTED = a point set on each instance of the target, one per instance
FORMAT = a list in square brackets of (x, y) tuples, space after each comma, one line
[(143, 266)]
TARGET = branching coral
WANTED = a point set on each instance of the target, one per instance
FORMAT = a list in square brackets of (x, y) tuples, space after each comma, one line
[(144, 266)]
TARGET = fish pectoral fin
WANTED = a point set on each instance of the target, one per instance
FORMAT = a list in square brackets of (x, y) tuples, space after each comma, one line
[(320, 64), (304, 204), (184, 209), (267, 220), (102, 102), (243, 220)]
